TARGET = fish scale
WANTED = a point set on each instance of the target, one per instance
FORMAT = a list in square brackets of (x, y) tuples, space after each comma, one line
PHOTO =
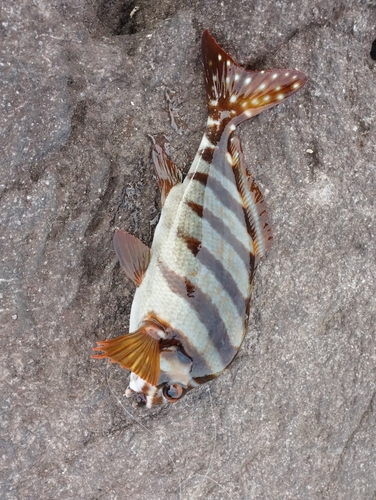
[(190, 310)]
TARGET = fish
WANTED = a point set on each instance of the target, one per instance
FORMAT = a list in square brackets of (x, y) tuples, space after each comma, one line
[(191, 306)]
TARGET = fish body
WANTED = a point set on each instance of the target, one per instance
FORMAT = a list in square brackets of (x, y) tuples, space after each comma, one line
[(190, 310)]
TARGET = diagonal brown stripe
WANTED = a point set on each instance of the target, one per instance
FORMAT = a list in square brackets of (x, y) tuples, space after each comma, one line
[(220, 227), (205, 309), (199, 177), (198, 209), (222, 275), (193, 244), (207, 154), (220, 192)]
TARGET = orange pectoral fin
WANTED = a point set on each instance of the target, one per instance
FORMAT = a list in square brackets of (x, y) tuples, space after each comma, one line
[(138, 351), (133, 255)]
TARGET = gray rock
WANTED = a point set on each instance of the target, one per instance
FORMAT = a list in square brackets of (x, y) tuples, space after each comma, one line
[(83, 85)]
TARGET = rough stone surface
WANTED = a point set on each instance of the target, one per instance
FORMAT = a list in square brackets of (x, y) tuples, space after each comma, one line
[(83, 85)]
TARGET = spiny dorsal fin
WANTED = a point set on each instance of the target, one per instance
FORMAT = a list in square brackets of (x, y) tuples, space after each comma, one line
[(133, 255), (243, 93), (253, 202), (168, 173), (138, 351)]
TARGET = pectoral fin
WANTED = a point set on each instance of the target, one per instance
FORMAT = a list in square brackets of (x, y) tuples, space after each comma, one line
[(138, 351), (168, 173), (133, 255)]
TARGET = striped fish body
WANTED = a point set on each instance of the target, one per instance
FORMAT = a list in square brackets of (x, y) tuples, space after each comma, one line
[(190, 309), (200, 271)]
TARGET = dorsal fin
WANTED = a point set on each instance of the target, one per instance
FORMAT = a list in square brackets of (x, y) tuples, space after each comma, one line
[(168, 173), (138, 351), (133, 255), (232, 91), (253, 202)]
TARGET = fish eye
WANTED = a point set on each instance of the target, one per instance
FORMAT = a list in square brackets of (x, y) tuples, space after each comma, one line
[(172, 392)]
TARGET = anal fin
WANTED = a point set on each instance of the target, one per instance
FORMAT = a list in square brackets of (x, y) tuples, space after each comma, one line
[(168, 173), (253, 202), (133, 255), (138, 351)]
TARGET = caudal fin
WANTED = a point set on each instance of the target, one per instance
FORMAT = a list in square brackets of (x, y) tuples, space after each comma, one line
[(235, 94)]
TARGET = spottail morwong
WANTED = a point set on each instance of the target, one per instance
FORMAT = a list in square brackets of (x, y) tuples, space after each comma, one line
[(190, 310)]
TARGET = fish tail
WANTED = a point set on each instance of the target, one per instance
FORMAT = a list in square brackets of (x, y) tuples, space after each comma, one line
[(236, 94)]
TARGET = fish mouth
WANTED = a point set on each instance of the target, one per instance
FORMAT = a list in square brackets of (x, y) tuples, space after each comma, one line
[(142, 399), (143, 393)]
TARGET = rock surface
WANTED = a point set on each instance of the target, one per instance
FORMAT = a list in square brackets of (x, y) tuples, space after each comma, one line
[(84, 85)]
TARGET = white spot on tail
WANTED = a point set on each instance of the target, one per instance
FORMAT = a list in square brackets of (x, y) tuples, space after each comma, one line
[(229, 158), (233, 98), (214, 102), (262, 86), (280, 97), (262, 72), (228, 62), (267, 98), (287, 74), (212, 122), (232, 127), (278, 88), (227, 80), (219, 57), (254, 101), (237, 76), (296, 85), (248, 113), (295, 77), (248, 80), (274, 76)]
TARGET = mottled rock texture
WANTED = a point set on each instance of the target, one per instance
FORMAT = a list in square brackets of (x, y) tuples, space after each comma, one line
[(84, 84)]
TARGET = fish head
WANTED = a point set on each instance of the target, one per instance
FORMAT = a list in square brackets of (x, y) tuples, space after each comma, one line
[(174, 381)]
